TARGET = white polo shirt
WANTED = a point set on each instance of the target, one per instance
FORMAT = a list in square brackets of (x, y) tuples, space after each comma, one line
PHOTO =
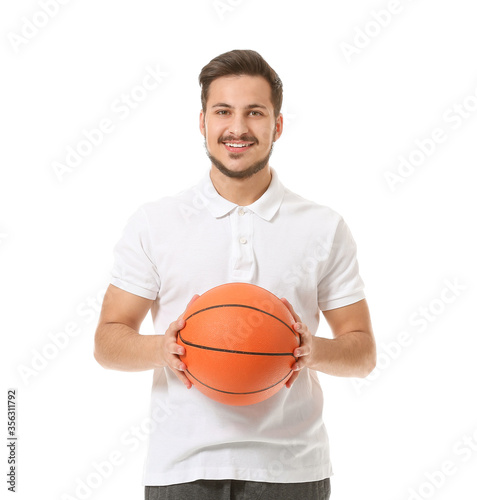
[(178, 246)]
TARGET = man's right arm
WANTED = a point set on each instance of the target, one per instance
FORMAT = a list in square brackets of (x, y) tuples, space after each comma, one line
[(118, 345)]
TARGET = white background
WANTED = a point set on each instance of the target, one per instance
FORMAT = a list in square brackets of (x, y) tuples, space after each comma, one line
[(350, 113)]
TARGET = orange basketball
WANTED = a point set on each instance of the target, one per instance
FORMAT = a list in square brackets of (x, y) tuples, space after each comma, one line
[(239, 343)]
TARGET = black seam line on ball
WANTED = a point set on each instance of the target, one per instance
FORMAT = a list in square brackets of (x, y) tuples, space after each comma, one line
[(230, 351), (239, 393), (247, 307)]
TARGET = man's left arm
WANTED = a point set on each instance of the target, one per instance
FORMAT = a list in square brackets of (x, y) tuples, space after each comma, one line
[(350, 353)]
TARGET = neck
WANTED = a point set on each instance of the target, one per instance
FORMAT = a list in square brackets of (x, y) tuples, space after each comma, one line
[(243, 192)]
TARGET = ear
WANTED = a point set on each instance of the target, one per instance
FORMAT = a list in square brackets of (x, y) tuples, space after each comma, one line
[(202, 122), (278, 127)]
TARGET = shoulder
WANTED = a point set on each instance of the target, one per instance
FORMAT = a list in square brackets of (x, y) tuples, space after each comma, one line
[(315, 224), (174, 208), (309, 211)]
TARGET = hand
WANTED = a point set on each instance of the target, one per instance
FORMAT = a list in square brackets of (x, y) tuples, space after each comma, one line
[(171, 350), (304, 351)]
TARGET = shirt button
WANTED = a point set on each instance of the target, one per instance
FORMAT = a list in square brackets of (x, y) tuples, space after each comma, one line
[(241, 211), (243, 240)]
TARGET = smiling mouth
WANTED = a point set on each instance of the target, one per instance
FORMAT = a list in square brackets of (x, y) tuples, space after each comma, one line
[(238, 147)]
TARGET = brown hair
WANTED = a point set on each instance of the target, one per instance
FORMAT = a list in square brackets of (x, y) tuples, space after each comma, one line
[(241, 62)]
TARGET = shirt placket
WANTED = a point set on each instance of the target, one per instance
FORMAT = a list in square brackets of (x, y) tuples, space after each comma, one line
[(242, 234)]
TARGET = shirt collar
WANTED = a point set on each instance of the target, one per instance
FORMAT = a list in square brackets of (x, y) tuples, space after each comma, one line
[(265, 207)]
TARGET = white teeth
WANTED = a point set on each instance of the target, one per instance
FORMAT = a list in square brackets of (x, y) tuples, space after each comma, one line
[(236, 145)]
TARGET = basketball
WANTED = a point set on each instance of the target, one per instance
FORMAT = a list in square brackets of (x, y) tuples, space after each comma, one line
[(239, 343)]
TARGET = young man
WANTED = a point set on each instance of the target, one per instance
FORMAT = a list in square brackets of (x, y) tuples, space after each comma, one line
[(238, 224)]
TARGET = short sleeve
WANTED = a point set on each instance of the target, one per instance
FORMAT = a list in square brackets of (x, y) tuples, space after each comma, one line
[(134, 269), (341, 284)]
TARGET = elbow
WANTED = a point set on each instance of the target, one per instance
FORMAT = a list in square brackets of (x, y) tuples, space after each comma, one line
[(102, 360), (369, 363), (367, 360), (368, 368), (99, 351), (98, 357)]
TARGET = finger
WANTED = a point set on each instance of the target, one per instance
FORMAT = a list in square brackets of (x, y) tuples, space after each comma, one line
[(300, 328), (292, 379), (183, 378), (171, 345), (171, 348), (298, 365), (301, 351), (191, 301), (305, 348), (175, 327), (290, 308), (304, 332), (179, 368), (177, 364), (174, 348)]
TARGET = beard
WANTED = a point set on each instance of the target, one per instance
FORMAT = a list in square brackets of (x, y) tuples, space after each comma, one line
[(243, 174)]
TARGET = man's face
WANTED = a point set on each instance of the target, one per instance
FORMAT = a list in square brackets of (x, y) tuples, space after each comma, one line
[(239, 125)]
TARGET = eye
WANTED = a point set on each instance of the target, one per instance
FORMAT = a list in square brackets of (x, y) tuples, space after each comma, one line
[(256, 113), (222, 112)]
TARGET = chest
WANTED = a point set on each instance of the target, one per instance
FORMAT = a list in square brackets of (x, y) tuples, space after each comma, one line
[(240, 247)]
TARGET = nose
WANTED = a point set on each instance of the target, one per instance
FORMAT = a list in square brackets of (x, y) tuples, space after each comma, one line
[(238, 125)]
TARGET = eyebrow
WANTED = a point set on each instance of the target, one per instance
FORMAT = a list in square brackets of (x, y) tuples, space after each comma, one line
[(250, 106)]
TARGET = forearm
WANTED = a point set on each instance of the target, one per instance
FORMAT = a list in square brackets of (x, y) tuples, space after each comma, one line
[(350, 355), (119, 347)]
